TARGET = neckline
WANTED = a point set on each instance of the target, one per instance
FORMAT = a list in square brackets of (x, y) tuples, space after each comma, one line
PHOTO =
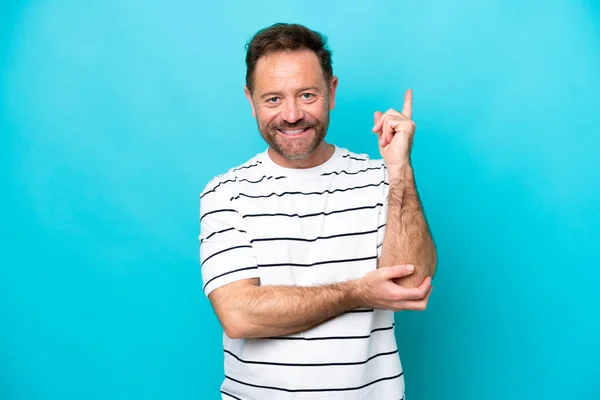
[(326, 166)]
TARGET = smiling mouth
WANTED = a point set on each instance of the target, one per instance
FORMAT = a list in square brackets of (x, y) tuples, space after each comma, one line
[(292, 132)]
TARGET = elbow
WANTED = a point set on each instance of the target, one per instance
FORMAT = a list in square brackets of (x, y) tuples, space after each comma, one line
[(433, 264), (231, 311), (430, 268), (235, 326), (234, 332)]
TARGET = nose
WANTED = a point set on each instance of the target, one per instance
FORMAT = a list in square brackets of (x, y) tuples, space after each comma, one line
[(292, 112)]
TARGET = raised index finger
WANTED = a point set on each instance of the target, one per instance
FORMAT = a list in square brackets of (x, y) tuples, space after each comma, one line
[(407, 108)]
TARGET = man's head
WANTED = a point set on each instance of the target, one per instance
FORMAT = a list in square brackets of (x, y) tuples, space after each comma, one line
[(291, 88)]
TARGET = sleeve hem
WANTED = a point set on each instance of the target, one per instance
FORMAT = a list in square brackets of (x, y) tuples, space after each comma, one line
[(229, 277)]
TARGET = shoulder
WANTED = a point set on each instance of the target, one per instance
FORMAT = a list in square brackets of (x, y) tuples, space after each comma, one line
[(362, 160), (363, 167), (221, 186)]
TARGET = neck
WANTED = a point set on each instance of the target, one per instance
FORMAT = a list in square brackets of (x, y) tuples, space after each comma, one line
[(321, 154)]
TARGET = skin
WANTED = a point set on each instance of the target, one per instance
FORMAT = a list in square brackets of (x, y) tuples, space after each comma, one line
[(291, 93), (407, 238)]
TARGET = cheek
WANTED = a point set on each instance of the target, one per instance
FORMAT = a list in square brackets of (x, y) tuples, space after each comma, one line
[(321, 106), (266, 117), (318, 111)]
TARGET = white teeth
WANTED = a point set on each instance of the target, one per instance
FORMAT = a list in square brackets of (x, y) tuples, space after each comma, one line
[(293, 132)]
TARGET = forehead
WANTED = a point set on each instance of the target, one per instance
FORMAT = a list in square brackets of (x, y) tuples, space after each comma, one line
[(288, 69)]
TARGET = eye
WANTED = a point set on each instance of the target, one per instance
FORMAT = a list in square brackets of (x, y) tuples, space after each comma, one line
[(307, 96), (273, 100)]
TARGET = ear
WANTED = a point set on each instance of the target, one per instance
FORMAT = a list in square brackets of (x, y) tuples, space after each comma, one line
[(249, 97), (332, 88)]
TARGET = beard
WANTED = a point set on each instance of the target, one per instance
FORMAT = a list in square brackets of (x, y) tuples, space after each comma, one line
[(295, 148)]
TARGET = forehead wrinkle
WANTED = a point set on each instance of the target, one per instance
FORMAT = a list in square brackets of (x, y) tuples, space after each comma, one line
[(283, 77), (283, 73)]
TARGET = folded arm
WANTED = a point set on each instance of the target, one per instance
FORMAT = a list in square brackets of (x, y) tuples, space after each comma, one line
[(247, 310)]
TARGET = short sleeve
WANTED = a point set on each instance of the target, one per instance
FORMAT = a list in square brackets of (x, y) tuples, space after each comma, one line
[(383, 212), (226, 254)]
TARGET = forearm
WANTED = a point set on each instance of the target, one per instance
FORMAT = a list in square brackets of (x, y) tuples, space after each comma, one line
[(264, 311), (407, 237)]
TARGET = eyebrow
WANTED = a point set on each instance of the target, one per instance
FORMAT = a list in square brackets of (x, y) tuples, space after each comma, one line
[(279, 94)]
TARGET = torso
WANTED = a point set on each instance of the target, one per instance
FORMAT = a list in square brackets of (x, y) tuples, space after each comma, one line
[(306, 228)]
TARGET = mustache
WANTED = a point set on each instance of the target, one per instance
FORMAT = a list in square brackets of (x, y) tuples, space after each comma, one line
[(300, 124)]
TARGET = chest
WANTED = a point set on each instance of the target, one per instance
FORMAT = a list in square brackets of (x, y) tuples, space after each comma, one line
[(312, 232)]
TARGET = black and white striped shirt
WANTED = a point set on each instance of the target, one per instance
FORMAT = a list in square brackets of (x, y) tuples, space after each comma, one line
[(303, 227)]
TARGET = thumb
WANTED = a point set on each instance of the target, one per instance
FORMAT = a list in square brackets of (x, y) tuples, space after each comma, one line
[(398, 271)]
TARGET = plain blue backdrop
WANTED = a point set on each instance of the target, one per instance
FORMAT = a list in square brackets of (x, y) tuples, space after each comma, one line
[(115, 114)]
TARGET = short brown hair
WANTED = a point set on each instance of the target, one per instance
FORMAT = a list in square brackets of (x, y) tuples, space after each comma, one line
[(281, 37)]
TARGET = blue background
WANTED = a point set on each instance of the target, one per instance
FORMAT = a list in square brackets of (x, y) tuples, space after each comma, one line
[(115, 114)]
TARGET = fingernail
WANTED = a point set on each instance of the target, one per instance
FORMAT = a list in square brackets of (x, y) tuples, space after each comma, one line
[(410, 268)]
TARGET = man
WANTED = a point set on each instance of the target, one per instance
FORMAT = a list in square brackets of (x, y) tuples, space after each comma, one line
[(308, 249)]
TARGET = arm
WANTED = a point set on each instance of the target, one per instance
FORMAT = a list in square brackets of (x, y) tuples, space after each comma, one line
[(231, 278), (247, 310), (407, 237)]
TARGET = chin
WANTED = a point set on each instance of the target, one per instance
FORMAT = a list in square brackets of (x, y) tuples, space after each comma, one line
[(293, 155), (300, 152), (296, 157)]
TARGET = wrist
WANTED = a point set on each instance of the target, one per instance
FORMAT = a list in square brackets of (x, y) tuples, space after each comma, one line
[(355, 293), (399, 171)]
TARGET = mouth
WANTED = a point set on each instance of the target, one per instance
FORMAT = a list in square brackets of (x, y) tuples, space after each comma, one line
[(293, 132)]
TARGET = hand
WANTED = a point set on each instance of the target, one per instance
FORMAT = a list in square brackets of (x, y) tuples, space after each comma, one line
[(395, 132), (378, 290)]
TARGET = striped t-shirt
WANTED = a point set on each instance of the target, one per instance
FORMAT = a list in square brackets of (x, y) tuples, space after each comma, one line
[(303, 227)]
